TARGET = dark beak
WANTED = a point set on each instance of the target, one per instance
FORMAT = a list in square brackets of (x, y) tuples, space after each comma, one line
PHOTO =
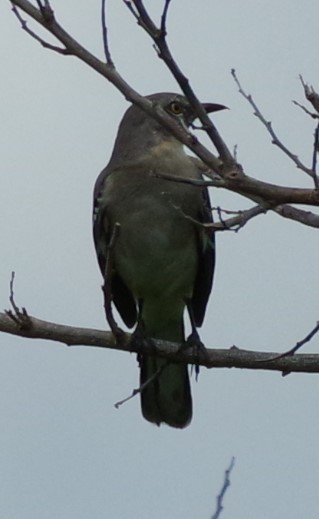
[(209, 107), (213, 107)]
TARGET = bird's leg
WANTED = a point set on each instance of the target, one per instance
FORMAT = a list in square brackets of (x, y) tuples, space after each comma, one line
[(193, 341), (107, 288)]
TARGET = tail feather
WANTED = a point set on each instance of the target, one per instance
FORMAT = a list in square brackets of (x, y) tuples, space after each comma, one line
[(167, 398)]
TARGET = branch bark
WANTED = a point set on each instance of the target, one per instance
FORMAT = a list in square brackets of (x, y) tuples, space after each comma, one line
[(216, 358)]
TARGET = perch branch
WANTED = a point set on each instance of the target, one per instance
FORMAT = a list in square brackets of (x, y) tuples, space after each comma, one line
[(215, 358)]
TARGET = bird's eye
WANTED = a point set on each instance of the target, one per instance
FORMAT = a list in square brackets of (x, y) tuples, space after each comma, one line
[(176, 108)]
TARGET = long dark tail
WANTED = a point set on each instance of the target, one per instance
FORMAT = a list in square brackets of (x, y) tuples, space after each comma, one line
[(167, 398)]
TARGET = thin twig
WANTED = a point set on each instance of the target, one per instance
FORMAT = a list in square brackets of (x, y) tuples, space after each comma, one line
[(45, 44), (238, 222), (164, 17), (130, 7), (162, 48), (268, 126), (313, 115), (46, 11), (226, 484), (314, 156), (311, 94), (20, 317), (297, 346), (11, 297), (107, 52), (231, 224), (139, 390)]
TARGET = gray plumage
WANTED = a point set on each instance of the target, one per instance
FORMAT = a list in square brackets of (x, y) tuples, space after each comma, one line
[(162, 260)]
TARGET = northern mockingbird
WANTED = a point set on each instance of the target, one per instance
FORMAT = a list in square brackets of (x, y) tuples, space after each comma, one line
[(161, 259)]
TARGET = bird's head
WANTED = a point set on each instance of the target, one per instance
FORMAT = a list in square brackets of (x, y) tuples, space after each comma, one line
[(139, 132)]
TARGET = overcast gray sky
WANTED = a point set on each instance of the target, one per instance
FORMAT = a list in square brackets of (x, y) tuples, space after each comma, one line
[(65, 451)]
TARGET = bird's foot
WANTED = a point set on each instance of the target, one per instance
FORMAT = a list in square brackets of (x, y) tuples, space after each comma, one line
[(199, 350)]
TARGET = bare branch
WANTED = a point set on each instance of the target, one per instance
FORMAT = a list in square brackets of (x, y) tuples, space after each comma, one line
[(237, 222), (45, 44), (298, 345), (105, 36), (131, 8), (299, 215), (164, 17), (231, 224), (314, 156), (268, 126), (222, 493), (254, 189), (314, 116), (19, 317), (141, 388), (231, 177), (110, 73), (215, 358), (46, 10), (311, 94), (159, 38)]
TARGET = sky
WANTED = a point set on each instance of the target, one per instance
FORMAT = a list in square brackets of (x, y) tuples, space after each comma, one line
[(65, 451)]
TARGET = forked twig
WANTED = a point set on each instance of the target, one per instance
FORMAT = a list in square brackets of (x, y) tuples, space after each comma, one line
[(268, 126), (311, 94), (20, 317), (164, 17), (45, 44), (314, 156)]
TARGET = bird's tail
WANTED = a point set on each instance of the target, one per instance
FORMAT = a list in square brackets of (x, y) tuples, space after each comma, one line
[(166, 397)]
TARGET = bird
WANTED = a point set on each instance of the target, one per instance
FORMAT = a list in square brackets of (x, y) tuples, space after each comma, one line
[(156, 257)]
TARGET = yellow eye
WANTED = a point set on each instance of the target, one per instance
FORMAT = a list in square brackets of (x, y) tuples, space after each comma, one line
[(176, 108)]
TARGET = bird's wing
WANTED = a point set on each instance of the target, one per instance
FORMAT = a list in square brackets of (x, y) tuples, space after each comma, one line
[(102, 233), (206, 257)]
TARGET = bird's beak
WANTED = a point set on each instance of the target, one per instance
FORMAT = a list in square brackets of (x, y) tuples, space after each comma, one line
[(213, 107), (209, 107)]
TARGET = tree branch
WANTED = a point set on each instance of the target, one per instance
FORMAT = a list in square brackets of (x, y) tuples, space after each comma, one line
[(311, 95), (107, 51), (230, 175), (158, 35), (268, 126), (255, 189), (298, 215), (215, 358)]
